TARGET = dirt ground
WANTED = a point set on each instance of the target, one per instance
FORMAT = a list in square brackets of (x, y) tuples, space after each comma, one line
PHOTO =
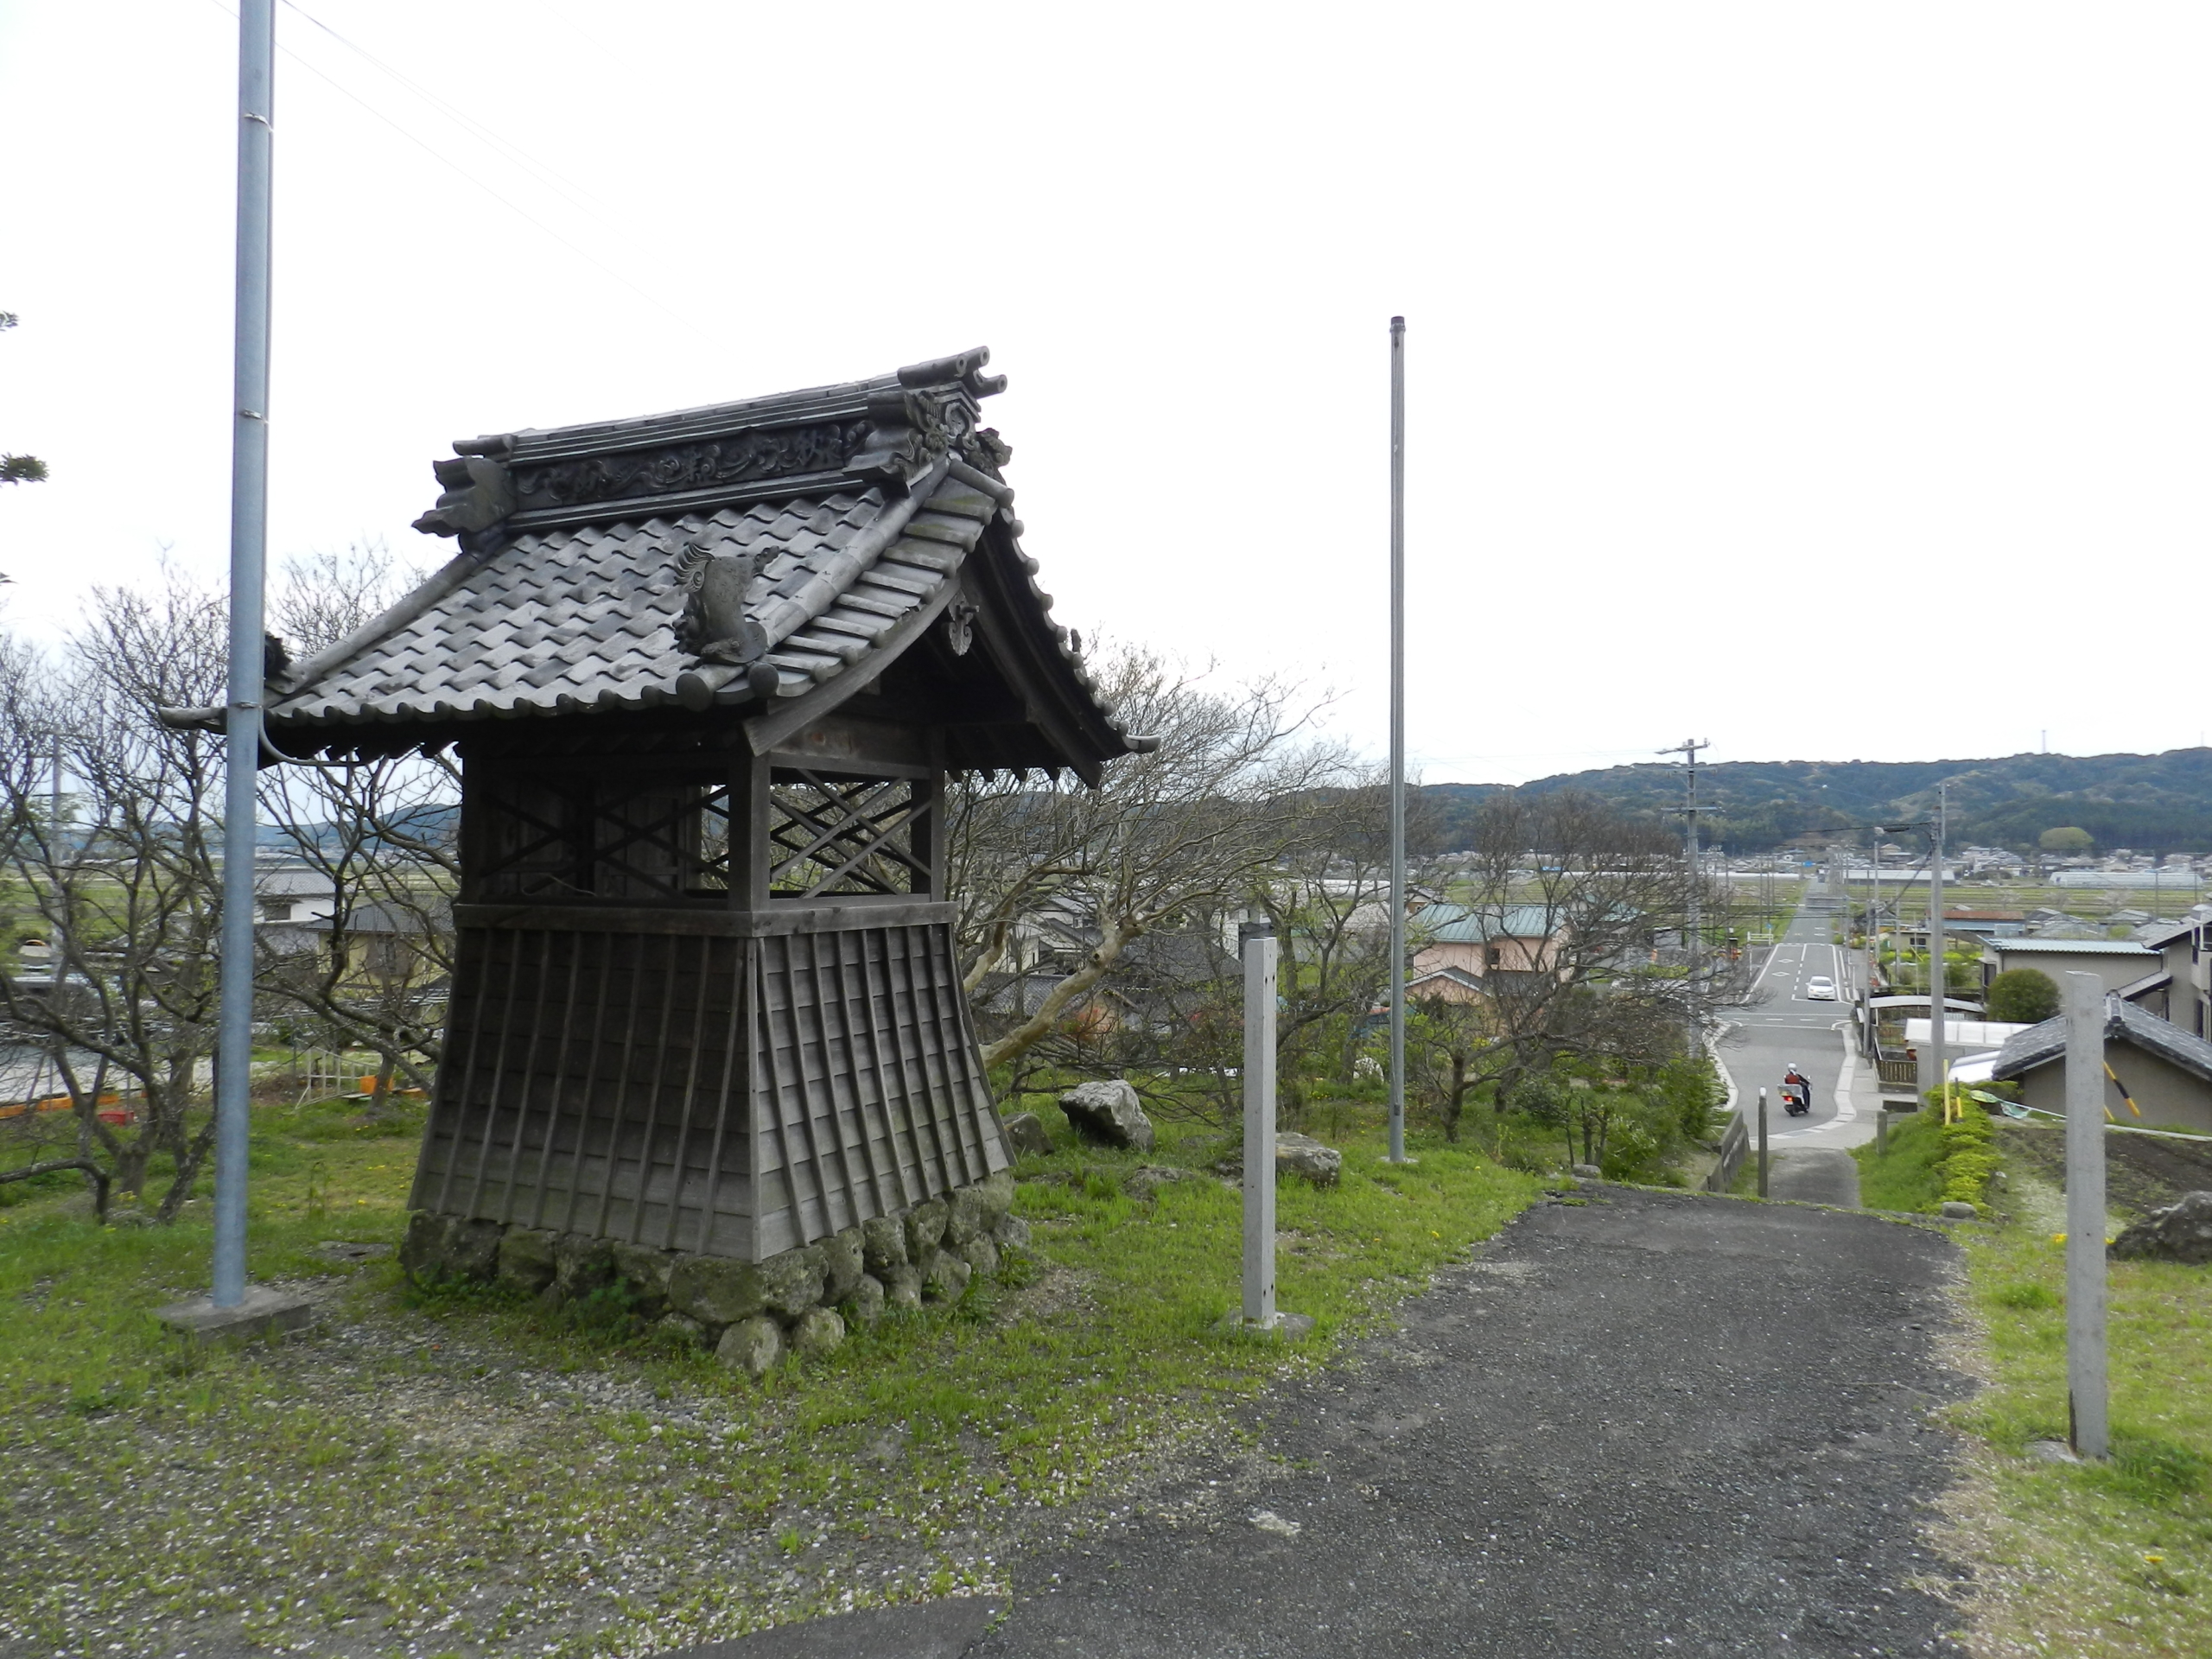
[(2141, 1174)]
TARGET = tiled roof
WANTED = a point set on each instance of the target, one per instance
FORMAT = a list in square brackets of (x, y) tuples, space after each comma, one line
[(735, 555), (1458, 924), (2068, 947), (2040, 1045)]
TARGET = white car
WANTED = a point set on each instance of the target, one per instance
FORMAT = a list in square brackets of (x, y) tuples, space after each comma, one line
[(1820, 990)]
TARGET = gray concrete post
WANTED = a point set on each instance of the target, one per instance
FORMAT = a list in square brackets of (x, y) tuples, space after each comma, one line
[(2085, 1215), (1259, 943), (1762, 1143)]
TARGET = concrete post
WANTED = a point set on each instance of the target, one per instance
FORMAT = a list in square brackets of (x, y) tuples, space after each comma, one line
[(1762, 1143), (2085, 1214), (1259, 943)]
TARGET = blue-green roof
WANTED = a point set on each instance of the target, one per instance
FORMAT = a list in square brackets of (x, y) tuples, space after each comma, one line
[(1458, 924)]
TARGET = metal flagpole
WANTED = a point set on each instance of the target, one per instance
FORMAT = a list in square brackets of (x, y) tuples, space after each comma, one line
[(1397, 739), (242, 717)]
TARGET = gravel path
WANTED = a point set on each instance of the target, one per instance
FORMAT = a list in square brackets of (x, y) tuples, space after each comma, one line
[(1814, 1175)]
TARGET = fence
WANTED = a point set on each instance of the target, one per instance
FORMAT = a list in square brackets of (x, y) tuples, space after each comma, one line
[(1732, 1147)]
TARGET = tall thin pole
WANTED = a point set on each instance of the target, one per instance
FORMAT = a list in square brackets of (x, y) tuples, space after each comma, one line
[(1258, 944), (242, 718), (2085, 1214), (1939, 979), (1695, 1035), (1397, 739)]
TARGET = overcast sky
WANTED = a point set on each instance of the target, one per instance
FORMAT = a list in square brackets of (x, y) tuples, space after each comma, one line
[(1774, 368)]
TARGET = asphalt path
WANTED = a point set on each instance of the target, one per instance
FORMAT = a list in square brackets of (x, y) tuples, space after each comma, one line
[(1780, 1025), (1643, 1423)]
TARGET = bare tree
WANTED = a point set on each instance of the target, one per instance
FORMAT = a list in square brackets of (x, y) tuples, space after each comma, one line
[(1189, 829), (379, 833), (124, 884)]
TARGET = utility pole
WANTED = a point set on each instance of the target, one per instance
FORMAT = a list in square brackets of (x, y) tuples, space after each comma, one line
[(1939, 981), (1397, 739), (2086, 1017), (1688, 750)]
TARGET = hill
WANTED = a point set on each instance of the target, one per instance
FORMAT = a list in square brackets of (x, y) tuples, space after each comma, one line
[(2152, 802)]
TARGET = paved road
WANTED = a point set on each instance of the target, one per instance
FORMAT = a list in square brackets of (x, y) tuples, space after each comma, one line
[(1779, 1025), (1814, 1175)]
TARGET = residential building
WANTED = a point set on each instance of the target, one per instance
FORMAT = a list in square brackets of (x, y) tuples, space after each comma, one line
[(2116, 961), (2157, 1075), (2179, 988), (1487, 939)]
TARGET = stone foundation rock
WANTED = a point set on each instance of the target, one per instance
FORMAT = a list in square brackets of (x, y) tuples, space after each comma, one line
[(751, 1314), (2180, 1232), (1026, 1136)]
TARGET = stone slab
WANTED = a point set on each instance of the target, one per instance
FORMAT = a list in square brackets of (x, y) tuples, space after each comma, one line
[(931, 1630), (264, 1313), (1288, 1327)]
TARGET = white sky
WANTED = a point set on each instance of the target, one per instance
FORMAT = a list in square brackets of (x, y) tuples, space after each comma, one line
[(1768, 362)]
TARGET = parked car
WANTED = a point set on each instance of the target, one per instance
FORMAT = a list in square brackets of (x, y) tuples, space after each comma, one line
[(1821, 989)]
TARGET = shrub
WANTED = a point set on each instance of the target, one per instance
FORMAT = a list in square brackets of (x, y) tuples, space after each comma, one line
[(2066, 839), (2023, 996)]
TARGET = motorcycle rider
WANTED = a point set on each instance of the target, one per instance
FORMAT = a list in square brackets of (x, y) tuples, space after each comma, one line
[(1793, 1079)]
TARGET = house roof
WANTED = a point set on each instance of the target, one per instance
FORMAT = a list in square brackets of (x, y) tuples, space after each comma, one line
[(1458, 977), (1458, 925), (770, 557), (2166, 933), (2040, 1045), (2071, 947), (2157, 981)]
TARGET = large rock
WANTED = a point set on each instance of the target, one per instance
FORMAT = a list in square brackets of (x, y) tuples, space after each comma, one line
[(1308, 1159), (792, 1282), (981, 1254), (421, 1252), (583, 1264), (996, 1194), (843, 1263), (864, 1306), (902, 1287), (753, 1346), (645, 1271), (472, 1248), (964, 1217), (1011, 1234), (883, 1244), (818, 1332), (946, 1278), (924, 1227), (526, 1263), (2180, 1232), (716, 1292), (1026, 1136), (681, 1330), (1107, 1114)]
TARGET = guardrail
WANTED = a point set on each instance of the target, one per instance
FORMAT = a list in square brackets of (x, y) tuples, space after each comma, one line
[(1733, 1145)]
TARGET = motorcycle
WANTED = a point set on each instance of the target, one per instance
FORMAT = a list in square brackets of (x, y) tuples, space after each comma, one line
[(1798, 1098)]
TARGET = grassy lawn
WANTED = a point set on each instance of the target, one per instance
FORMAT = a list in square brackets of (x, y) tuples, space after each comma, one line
[(459, 1474), (2075, 1560)]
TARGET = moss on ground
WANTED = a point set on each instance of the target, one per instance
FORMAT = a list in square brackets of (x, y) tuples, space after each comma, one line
[(458, 1473)]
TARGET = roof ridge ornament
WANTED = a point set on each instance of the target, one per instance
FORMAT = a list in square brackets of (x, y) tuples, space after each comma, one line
[(714, 626)]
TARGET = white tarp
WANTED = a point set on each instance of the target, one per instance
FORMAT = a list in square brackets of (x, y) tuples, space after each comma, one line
[(1965, 1034)]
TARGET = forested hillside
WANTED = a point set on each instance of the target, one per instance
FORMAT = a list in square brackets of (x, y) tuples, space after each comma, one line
[(2152, 802)]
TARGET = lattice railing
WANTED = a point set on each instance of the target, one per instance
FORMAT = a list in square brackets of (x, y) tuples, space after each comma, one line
[(830, 835), (606, 838)]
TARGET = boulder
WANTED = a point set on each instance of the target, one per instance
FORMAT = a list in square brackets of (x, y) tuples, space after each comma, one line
[(1107, 1114), (902, 1287), (1145, 1181), (791, 1283), (819, 1332), (946, 1280), (996, 1194), (842, 1262), (883, 1244), (680, 1329), (422, 1253), (1308, 1159), (645, 1271), (964, 1217), (2180, 1232), (924, 1227), (864, 1305), (715, 1291), (583, 1264), (1954, 1209), (752, 1345), (1027, 1137), (981, 1254), (1011, 1234), (473, 1247), (526, 1263)]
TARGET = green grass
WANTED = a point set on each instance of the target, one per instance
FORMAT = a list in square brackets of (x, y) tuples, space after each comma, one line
[(460, 1472), (1909, 1175), (2090, 1560)]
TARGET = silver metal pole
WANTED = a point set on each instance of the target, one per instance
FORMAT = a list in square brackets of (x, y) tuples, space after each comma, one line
[(2085, 1214), (1696, 917), (1397, 740), (1258, 940), (242, 721), (1762, 1143), (1939, 979)]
